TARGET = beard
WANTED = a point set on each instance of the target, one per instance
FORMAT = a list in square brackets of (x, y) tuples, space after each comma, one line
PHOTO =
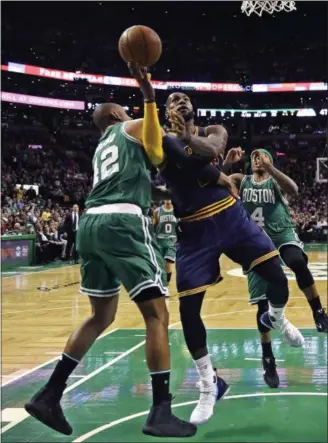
[(187, 114)]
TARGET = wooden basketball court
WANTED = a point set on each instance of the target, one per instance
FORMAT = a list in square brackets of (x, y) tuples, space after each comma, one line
[(40, 309)]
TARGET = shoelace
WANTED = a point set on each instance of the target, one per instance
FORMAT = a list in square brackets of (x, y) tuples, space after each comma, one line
[(206, 395)]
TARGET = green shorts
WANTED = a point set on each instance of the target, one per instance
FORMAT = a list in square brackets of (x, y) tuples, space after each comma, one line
[(167, 247), (115, 249), (257, 287)]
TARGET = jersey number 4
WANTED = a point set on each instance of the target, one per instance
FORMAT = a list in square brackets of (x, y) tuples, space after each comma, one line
[(258, 217), (106, 163)]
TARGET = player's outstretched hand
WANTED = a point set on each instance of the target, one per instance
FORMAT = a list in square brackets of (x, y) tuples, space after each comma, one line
[(234, 155), (178, 124), (143, 79), (228, 183)]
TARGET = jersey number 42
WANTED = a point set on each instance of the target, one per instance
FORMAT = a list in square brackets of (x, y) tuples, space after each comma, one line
[(105, 161)]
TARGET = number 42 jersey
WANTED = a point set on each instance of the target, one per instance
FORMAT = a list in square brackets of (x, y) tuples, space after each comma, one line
[(266, 204), (121, 171)]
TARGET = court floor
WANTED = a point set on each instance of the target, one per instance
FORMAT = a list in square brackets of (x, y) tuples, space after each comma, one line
[(108, 397)]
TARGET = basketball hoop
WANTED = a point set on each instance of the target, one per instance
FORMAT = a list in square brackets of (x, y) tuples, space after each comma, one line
[(258, 7)]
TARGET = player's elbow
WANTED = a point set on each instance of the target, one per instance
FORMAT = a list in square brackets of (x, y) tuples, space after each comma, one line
[(156, 156), (220, 141), (213, 150), (293, 190)]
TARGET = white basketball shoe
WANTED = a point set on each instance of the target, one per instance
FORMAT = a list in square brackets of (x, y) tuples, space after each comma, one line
[(289, 332), (210, 393)]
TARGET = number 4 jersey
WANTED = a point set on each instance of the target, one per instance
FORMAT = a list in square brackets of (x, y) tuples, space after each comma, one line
[(121, 171), (266, 204)]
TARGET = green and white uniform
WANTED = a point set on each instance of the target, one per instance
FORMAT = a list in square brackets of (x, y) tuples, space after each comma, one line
[(268, 207), (115, 237), (166, 233)]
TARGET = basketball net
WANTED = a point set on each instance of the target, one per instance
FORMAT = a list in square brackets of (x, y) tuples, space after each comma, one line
[(258, 7)]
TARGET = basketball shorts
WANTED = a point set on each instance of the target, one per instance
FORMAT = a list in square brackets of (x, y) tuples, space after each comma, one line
[(119, 249), (257, 287), (167, 247), (201, 243)]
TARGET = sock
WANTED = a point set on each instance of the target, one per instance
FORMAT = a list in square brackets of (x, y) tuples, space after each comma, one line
[(161, 386), (315, 304), (205, 369), (276, 313), (168, 277), (267, 350), (63, 370)]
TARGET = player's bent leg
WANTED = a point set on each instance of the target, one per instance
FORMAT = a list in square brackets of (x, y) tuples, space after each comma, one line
[(212, 387), (102, 287), (102, 316), (270, 374), (45, 405), (294, 257), (169, 254), (160, 422), (277, 294), (168, 268), (169, 263)]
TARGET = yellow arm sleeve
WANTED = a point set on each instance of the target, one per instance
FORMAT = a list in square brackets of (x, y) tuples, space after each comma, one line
[(152, 135)]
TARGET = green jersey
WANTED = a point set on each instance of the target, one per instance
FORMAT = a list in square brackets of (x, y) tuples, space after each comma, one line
[(167, 222), (266, 204), (121, 171)]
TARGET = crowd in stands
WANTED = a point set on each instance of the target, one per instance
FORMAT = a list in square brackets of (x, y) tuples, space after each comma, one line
[(61, 181), (209, 37)]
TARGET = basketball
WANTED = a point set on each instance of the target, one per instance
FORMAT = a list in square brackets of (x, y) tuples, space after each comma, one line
[(140, 44)]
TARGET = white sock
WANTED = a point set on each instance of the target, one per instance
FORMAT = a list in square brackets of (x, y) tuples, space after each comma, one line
[(205, 369), (277, 313)]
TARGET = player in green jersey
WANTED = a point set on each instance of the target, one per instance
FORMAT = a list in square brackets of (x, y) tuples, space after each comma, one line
[(165, 224), (117, 246), (265, 198)]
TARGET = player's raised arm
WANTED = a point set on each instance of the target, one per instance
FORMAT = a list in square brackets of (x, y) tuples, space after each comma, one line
[(233, 156), (210, 146), (287, 185), (147, 130), (237, 179)]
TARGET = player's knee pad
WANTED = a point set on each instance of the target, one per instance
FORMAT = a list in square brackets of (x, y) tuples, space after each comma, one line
[(262, 307), (304, 278), (272, 272), (296, 260), (192, 323)]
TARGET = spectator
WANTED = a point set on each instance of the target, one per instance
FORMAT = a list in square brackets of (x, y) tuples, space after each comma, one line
[(71, 226), (46, 214), (31, 193), (20, 193)]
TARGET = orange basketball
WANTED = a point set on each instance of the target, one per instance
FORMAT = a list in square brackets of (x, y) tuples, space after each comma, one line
[(141, 45)]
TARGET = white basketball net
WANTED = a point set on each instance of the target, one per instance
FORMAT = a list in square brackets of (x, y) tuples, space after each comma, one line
[(258, 7)]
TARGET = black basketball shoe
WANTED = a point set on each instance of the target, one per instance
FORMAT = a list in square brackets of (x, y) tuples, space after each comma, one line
[(45, 407), (321, 320), (162, 423), (270, 375)]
